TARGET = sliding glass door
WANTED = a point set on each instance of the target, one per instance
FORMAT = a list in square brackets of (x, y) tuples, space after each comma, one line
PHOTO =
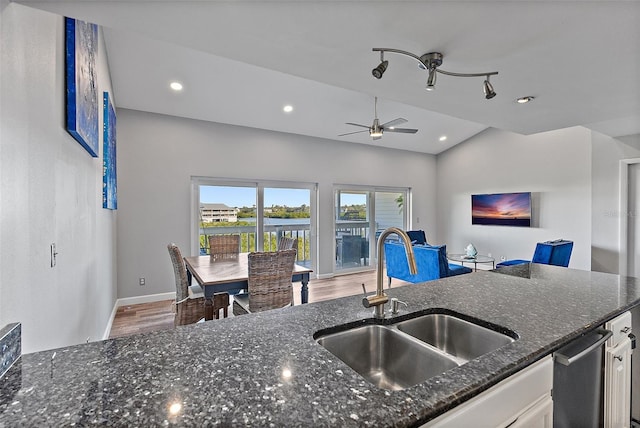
[(390, 210), (287, 213), (361, 214), (352, 229), (260, 212), (227, 210)]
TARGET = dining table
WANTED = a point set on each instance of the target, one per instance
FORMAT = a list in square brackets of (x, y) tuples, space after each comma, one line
[(217, 275)]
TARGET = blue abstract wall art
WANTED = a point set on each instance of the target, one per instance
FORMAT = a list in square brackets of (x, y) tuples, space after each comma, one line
[(109, 178), (81, 40)]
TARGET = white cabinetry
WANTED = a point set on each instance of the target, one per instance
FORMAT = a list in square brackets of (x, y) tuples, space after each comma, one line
[(539, 415), (617, 373), (522, 400)]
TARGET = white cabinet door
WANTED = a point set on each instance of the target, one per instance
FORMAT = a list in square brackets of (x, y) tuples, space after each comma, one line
[(617, 386), (504, 403), (540, 415), (617, 373)]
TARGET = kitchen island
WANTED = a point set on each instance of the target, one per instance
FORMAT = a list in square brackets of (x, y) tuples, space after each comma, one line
[(267, 369)]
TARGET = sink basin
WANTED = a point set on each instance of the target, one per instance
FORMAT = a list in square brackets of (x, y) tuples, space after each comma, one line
[(404, 354), (385, 357), (455, 336)]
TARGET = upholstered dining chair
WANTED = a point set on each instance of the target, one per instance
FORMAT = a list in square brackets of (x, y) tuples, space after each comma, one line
[(287, 243), (269, 282), (189, 299), (224, 246)]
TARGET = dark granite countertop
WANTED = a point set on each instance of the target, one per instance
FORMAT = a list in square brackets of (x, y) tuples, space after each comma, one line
[(266, 369)]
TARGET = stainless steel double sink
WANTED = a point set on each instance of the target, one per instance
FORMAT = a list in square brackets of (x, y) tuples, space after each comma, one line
[(403, 354)]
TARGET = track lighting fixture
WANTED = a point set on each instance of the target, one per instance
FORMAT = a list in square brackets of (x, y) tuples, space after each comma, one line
[(430, 62), (488, 89), (381, 68), (431, 80)]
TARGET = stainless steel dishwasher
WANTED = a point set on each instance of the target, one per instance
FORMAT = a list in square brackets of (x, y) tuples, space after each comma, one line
[(578, 381)]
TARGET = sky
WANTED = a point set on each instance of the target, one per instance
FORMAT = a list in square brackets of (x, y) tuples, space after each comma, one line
[(246, 196)]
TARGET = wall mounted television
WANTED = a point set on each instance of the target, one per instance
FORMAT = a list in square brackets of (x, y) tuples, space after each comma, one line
[(502, 209)]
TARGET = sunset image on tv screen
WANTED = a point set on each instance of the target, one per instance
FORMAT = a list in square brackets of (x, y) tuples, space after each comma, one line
[(501, 209)]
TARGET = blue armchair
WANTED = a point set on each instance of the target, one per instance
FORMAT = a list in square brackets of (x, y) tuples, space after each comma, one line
[(556, 253), (431, 262), (417, 237)]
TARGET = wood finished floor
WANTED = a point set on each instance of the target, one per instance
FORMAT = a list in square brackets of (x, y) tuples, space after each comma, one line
[(147, 317)]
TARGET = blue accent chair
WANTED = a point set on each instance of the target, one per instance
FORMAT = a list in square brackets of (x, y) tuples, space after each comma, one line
[(417, 237), (431, 261), (557, 253)]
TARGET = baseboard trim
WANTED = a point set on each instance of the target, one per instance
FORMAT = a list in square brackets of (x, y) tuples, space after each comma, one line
[(107, 331), (150, 298), (325, 275)]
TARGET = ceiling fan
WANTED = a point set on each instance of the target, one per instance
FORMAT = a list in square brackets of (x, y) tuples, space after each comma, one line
[(376, 130)]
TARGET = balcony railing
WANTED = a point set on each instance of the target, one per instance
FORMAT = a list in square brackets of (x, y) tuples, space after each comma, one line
[(273, 232)]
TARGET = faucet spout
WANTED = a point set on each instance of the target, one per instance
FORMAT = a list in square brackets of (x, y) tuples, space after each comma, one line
[(379, 299)]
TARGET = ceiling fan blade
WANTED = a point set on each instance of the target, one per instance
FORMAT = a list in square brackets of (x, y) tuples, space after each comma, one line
[(394, 122), (402, 130), (357, 124), (349, 133)]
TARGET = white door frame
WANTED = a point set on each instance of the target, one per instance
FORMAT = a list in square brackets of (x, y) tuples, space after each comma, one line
[(624, 213)]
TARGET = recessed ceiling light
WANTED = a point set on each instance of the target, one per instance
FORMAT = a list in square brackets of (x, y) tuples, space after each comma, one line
[(443, 138), (175, 408), (176, 86), (525, 100), (287, 108)]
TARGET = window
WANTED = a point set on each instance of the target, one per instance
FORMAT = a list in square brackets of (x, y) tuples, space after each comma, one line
[(260, 212)]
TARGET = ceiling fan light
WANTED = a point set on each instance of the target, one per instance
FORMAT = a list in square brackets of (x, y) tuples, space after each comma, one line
[(375, 133), (380, 69), (488, 89)]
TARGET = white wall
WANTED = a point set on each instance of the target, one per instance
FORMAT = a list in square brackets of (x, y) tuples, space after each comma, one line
[(157, 155), (555, 166), (607, 153), (50, 191)]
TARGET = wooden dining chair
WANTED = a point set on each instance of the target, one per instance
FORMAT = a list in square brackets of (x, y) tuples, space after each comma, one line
[(224, 246), (287, 243), (189, 299), (269, 282)]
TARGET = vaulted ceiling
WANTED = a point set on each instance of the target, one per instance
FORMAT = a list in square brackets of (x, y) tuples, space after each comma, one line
[(241, 61)]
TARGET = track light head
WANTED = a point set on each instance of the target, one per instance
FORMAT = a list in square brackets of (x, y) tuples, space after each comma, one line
[(431, 80), (380, 69), (488, 89)]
